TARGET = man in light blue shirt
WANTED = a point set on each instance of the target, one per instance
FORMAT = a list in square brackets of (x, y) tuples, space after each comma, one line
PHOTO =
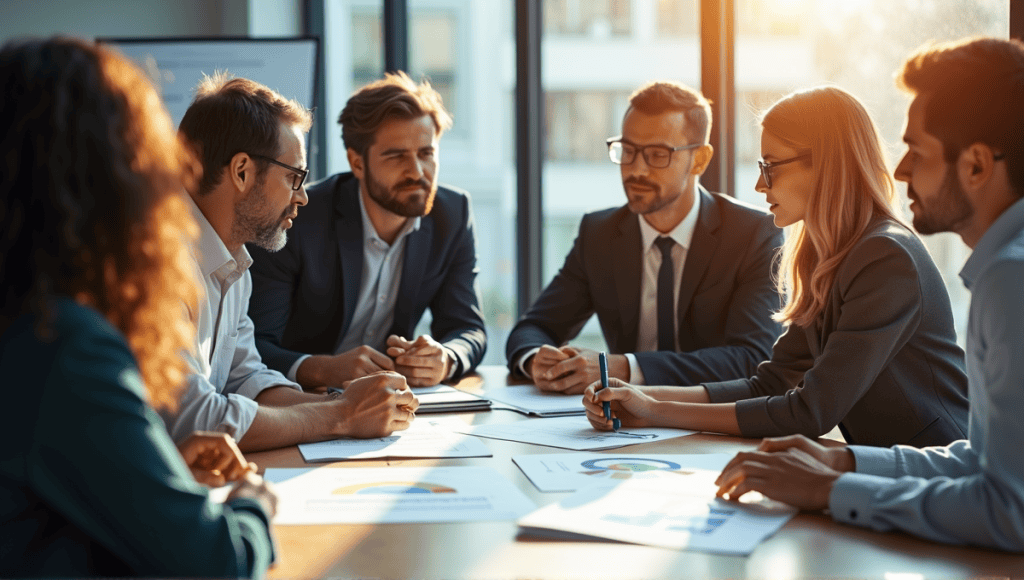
[(251, 142), (965, 174)]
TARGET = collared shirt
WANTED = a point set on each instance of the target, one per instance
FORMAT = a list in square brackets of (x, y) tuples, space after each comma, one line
[(378, 290), (226, 372), (971, 491), (378, 287), (647, 338), (648, 332)]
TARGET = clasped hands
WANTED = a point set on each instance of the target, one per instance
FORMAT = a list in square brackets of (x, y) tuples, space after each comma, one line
[(423, 362), (570, 369)]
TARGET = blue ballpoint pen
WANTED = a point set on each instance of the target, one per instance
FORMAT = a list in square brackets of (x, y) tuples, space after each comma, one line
[(603, 360)]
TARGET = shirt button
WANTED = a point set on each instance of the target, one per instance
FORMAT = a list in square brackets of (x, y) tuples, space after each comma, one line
[(853, 514), (380, 298)]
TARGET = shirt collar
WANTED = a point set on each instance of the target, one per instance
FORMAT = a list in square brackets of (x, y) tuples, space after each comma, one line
[(370, 232), (1006, 227), (682, 233), (214, 257)]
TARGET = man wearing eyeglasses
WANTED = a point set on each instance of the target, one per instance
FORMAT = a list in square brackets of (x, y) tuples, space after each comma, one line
[(251, 143), (381, 245), (680, 278)]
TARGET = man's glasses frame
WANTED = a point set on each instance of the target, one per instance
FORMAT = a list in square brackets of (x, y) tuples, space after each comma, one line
[(618, 154), (766, 168), (300, 174)]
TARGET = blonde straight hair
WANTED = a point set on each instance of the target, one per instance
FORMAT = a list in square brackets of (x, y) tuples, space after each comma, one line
[(853, 187)]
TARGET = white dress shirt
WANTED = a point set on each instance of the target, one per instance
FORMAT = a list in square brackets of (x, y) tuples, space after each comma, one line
[(225, 372)]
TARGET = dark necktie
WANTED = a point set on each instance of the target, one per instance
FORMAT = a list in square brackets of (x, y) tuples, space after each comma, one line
[(666, 290)]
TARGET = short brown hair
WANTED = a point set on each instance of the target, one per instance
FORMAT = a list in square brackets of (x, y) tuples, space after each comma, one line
[(659, 97), (395, 96), (92, 203), (234, 115), (975, 90)]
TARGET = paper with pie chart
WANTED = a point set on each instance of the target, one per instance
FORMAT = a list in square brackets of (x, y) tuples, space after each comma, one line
[(572, 471), (375, 495), (665, 510)]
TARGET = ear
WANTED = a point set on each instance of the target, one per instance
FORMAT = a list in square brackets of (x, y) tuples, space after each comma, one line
[(241, 172), (701, 158), (357, 163), (975, 166)]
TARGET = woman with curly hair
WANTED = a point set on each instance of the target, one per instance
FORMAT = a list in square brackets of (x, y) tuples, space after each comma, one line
[(869, 343), (95, 280)]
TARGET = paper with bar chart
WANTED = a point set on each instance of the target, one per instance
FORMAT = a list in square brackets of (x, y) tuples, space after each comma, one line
[(375, 495)]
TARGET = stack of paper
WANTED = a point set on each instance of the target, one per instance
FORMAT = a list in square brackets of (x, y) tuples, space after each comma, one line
[(445, 399), (667, 510)]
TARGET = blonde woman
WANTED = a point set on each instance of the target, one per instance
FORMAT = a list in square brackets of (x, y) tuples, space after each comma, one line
[(869, 343)]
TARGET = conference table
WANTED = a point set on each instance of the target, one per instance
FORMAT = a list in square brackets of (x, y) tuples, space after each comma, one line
[(810, 545)]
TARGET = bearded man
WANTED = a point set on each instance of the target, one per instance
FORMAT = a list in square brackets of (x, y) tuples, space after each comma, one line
[(376, 247)]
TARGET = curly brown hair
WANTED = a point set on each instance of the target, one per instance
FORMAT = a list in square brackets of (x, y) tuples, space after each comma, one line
[(93, 204)]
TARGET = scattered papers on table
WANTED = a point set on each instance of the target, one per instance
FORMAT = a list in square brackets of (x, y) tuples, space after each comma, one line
[(573, 471), (445, 399), (571, 433), (666, 510), (529, 399), (374, 495), (421, 439)]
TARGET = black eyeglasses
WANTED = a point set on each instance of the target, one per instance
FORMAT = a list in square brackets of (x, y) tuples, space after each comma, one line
[(623, 152), (766, 168), (300, 174)]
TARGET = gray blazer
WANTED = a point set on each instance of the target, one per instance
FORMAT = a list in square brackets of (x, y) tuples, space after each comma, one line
[(881, 361), (725, 303)]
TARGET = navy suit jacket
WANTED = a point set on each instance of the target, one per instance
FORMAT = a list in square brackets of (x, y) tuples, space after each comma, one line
[(304, 296), (726, 297)]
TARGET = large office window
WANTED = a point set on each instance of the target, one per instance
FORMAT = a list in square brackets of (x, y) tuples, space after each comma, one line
[(786, 45), (594, 53), (465, 49), (588, 75)]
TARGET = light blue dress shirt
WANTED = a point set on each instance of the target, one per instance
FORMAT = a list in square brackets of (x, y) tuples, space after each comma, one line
[(969, 492), (226, 372)]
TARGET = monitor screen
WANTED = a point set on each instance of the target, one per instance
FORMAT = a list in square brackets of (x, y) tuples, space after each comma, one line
[(176, 65)]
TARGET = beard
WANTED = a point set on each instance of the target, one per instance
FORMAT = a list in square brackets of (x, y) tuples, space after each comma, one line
[(644, 204), (948, 212), (414, 206), (253, 225)]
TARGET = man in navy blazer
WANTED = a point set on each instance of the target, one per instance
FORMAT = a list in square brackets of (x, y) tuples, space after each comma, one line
[(375, 248), (703, 316)]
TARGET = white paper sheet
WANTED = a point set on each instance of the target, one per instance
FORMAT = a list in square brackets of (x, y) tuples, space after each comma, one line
[(666, 510), (573, 471), (571, 433), (421, 439), (530, 399), (372, 495)]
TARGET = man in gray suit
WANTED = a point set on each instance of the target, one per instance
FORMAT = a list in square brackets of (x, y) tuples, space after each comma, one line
[(704, 313)]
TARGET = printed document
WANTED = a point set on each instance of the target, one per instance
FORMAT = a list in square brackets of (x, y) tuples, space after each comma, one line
[(533, 401), (666, 510), (573, 471), (571, 433), (377, 495), (422, 439)]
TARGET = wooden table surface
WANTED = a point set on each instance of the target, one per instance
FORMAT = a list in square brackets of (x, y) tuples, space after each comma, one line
[(809, 546)]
